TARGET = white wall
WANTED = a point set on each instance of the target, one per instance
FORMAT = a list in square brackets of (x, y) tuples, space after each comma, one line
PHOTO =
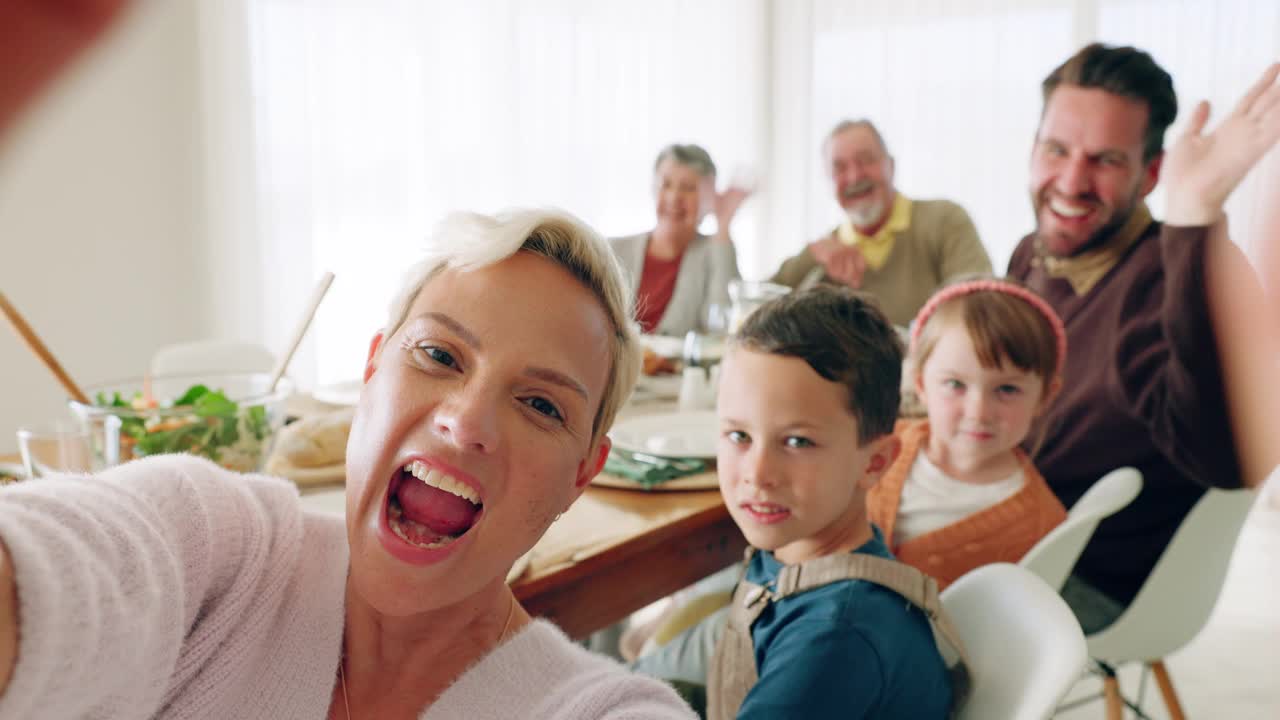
[(102, 244)]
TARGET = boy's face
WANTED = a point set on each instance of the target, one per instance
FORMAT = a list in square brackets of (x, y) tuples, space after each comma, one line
[(791, 470)]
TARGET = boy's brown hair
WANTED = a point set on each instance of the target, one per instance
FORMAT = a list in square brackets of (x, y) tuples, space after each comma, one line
[(845, 338)]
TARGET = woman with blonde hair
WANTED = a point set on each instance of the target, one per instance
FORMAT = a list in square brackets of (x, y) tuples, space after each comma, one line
[(171, 588)]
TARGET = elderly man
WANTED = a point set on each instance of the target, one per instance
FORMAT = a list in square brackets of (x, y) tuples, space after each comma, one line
[(897, 249), (1143, 384)]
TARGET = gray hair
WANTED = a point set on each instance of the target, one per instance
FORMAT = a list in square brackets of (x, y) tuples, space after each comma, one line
[(469, 241), (691, 156), (851, 124)]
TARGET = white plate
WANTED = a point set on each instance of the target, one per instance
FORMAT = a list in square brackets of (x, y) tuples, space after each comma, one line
[(681, 434), (657, 387), (343, 393), (663, 345), (701, 481)]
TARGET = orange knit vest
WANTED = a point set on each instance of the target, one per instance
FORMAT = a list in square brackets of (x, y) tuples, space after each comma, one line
[(1003, 532)]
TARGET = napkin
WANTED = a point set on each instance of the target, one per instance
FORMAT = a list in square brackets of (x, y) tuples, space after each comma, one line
[(649, 470)]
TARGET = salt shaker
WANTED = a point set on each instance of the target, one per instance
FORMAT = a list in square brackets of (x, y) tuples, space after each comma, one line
[(696, 391)]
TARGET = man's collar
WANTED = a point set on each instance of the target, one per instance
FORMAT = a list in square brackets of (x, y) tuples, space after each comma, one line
[(875, 248), (1084, 271)]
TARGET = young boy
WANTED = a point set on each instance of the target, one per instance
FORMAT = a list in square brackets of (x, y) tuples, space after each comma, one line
[(808, 399)]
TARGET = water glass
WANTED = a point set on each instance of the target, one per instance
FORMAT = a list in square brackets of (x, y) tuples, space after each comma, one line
[(716, 320), (64, 447), (747, 296)]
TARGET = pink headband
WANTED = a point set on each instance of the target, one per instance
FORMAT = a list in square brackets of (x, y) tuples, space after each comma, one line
[(965, 288)]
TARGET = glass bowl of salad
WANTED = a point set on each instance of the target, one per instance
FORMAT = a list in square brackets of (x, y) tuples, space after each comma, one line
[(231, 419)]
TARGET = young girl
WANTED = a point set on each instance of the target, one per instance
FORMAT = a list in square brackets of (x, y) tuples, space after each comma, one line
[(987, 358)]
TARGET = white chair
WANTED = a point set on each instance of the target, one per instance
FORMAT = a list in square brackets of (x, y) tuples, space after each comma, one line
[(1175, 602), (211, 356), (1024, 646), (1056, 554)]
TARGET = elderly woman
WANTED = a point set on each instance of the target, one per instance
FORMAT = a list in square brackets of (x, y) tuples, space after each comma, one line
[(678, 273), (169, 587)]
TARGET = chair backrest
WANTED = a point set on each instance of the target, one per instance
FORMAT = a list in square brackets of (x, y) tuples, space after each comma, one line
[(1177, 598), (211, 356), (1056, 554), (1025, 648)]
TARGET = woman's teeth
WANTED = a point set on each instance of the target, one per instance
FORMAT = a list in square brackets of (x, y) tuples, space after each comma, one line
[(414, 532), (441, 481)]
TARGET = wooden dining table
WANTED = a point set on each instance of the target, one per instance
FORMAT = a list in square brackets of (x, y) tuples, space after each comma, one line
[(616, 551)]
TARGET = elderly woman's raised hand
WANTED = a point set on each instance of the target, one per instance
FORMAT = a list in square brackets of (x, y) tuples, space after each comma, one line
[(1201, 169), (725, 206)]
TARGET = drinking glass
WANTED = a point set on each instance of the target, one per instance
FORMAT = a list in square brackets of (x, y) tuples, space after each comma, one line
[(65, 447), (716, 321), (694, 354), (54, 447)]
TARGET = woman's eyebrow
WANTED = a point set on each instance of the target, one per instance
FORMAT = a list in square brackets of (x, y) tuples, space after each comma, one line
[(557, 377), (467, 336)]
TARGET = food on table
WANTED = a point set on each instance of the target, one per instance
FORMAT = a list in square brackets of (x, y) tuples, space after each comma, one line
[(655, 364), (316, 441), (10, 474), (313, 451), (201, 422)]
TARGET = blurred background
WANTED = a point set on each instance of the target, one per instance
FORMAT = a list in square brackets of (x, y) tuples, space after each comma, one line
[(195, 177)]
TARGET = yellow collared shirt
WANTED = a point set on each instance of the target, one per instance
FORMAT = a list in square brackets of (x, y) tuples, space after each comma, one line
[(876, 248)]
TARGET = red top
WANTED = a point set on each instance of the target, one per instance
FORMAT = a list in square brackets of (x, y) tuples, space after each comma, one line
[(657, 283)]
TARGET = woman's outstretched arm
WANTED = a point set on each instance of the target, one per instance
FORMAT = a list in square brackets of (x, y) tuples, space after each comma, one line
[(8, 619)]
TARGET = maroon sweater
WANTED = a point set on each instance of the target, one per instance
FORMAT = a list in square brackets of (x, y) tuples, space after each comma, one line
[(1142, 387)]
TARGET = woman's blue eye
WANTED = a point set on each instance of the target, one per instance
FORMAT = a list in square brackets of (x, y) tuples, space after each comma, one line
[(441, 356), (544, 407)]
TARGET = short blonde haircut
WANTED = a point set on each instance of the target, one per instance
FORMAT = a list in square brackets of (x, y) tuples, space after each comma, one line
[(468, 241)]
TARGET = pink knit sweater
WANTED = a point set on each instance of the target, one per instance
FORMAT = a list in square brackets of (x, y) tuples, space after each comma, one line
[(171, 588)]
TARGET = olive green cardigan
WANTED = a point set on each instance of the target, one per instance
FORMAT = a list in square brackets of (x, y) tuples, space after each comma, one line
[(940, 245)]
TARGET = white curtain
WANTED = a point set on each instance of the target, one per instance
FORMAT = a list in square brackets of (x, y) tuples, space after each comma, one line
[(376, 118), (360, 124), (1215, 51)]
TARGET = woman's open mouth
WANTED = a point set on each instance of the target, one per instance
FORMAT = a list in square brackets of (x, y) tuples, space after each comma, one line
[(429, 508)]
